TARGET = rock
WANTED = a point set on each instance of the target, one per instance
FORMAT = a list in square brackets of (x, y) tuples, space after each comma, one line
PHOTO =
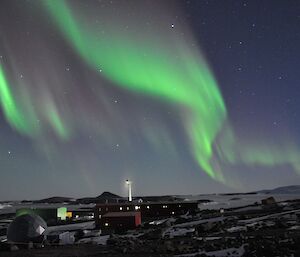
[(14, 248)]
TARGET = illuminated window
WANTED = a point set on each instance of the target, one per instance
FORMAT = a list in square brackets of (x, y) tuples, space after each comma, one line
[(62, 213), (172, 213), (137, 207), (100, 216), (165, 206), (179, 205), (127, 208), (106, 224), (148, 207), (121, 208)]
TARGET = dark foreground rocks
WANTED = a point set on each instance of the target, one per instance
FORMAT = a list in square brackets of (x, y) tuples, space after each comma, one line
[(74, 251)]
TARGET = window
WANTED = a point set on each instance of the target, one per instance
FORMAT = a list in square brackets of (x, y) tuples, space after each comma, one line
[(121, 208), (165, 206), (148, 207), (137, 207), (106, 224)]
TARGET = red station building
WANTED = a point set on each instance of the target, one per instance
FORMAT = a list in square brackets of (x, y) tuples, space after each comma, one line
[(130, 215)]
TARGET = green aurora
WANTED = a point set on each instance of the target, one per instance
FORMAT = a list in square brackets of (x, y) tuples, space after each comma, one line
[(11, 110), (175, 73), (145, 67), (20, 114)]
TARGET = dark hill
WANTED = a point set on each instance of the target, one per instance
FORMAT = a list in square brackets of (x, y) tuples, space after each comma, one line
[(108, 195)]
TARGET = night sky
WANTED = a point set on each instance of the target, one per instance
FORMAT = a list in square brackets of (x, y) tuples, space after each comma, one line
[(181, 97)]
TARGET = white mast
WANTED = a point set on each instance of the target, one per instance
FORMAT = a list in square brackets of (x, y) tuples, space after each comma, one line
[(128, 183)]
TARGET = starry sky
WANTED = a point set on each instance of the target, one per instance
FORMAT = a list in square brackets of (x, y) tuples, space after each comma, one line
[(181, 97)]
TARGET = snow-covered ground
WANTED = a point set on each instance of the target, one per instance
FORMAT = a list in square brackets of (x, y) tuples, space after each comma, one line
[(71, 227), (99, 240), (219, 201), (198, 222), (5, 206), (175, 232), (267, 217)]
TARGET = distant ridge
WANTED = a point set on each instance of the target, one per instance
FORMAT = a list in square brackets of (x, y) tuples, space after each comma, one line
[(108, 197), (294, 189), (55, 199)]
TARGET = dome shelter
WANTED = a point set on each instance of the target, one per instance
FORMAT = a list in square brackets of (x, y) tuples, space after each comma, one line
[(25, 229)]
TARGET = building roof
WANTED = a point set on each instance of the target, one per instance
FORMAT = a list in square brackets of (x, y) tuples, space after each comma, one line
[(146, 203), (122, 214)]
